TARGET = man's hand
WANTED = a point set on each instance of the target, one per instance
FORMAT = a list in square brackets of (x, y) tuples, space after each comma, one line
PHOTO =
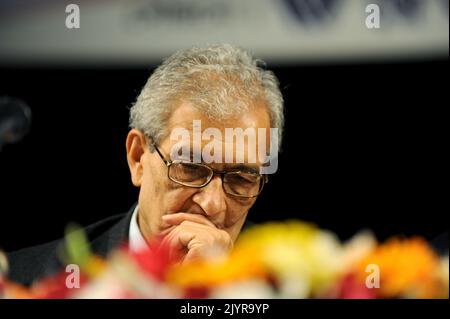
[(193, 236)]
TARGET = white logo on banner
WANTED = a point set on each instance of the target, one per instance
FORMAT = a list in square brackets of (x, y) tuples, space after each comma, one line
[(73, 17), (373, 17)]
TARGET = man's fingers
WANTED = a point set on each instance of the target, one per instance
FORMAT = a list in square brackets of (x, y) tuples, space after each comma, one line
[(166, 231), (182, 235), (177, 240), (193, 240), (178, 218)]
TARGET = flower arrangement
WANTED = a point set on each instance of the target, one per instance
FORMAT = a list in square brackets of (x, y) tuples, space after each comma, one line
[(291, 259)]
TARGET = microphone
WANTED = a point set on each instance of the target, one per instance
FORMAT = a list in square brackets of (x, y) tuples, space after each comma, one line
[(15, 120)]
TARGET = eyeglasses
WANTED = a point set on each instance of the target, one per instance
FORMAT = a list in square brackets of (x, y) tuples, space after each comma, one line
[(236, 183)]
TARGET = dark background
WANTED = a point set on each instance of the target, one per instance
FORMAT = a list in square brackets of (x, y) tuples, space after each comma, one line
[(361, 149)]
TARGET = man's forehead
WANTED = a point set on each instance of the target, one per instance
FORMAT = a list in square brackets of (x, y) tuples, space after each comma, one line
[(185, 113), (207, 124)]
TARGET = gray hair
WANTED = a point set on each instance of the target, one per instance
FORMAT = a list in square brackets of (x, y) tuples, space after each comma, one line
[(222, 81)]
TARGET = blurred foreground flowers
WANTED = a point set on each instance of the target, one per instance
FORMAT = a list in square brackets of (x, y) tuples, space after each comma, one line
[(289, 259)]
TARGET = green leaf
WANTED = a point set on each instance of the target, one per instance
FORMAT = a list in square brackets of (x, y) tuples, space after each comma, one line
[(77, 249)]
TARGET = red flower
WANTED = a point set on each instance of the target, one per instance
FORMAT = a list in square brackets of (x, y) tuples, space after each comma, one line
[(198, 292), (55, 287), (351, 287), (154, 261)]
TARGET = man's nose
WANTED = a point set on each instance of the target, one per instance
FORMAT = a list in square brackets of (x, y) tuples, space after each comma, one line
[(211, 198)]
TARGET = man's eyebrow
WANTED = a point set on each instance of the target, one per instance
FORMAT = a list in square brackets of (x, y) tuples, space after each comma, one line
[(243, 167), (251, 168)]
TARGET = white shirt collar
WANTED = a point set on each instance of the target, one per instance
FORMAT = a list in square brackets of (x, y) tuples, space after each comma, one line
[(136, 241)]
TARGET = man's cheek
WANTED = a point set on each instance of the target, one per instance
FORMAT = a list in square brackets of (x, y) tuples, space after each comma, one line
[(235, 218), (178, 200)]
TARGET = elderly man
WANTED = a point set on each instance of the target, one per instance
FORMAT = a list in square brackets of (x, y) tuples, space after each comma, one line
[(196, 188)]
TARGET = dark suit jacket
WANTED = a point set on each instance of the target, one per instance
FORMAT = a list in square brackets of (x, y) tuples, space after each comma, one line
[(30, 264)]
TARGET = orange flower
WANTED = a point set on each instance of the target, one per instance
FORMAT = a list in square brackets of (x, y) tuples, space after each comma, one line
[(409, 268), (94, 266), (16, 291), (241, 265)]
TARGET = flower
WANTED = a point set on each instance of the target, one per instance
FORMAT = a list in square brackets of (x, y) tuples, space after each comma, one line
[(291, 259), (295, 259), (241, 265), (408, 268), (350, 287), (303, 258), (444, 275), (3, 272)]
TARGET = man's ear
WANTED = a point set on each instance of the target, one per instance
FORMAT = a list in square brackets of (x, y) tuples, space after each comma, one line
[(136, 146)]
